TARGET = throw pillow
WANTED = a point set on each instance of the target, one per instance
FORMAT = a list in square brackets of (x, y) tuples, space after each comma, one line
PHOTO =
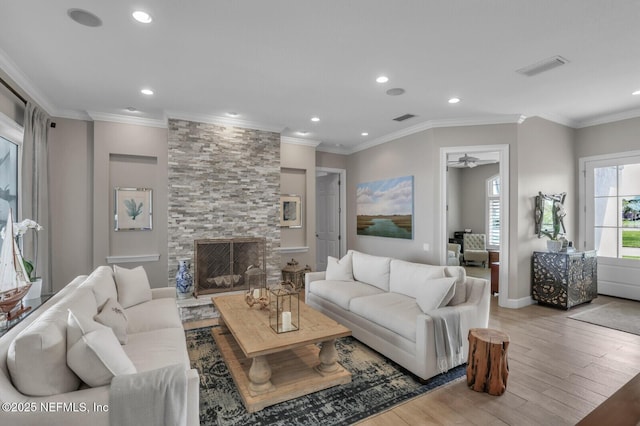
[(339, 270), (97, 356), (435, 293), (133, 286), (112, 315), (459, 273)]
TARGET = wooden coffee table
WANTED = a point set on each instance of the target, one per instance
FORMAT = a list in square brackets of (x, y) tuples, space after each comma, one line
[(269, 368)]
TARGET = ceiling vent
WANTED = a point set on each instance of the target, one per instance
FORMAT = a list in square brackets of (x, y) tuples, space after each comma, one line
[(404, 117), (542, 66)]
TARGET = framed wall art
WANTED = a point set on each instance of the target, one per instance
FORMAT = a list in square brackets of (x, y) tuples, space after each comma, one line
[(385, 208), (133, 209), (291, 211)]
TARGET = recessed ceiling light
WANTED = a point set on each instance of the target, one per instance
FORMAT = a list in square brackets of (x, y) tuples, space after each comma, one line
[(147, 92), (364, 134), (637, 92), (397, 91), (315, 119), (132, 109), (454, 100), (303, 133), (382, 79), (85, 18), (142, 17), (232, 114)]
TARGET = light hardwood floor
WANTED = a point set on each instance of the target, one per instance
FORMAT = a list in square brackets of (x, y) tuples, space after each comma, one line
[(559, 370)]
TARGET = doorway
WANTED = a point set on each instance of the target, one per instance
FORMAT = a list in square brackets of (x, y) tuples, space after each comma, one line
[(330, 215), (501, 154)]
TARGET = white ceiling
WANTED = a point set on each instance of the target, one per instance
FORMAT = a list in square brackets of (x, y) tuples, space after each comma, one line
[(280, 62)]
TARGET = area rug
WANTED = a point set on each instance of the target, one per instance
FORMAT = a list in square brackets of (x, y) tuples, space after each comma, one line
[(377, 384), (616, 315)]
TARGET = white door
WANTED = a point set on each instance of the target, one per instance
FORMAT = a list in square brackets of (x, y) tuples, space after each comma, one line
[(327, 218)]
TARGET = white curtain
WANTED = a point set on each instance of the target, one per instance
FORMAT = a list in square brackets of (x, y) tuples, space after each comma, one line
[(35, 192)]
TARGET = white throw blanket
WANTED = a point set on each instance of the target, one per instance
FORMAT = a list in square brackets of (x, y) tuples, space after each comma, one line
[(156, 397), (448, 338)]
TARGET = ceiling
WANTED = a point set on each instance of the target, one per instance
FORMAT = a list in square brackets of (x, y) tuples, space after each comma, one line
[(278, 63)]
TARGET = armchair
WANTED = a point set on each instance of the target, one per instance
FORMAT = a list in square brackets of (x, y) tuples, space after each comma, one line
[(453, 254), (475, 249)]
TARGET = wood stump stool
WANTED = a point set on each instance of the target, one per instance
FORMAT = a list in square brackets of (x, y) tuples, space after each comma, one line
[(487, 367)]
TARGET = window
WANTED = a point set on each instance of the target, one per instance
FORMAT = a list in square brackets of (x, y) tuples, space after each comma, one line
[(616, 209), (8, 180), (493, 212)]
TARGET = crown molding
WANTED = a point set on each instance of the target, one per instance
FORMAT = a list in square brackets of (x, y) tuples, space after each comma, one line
[(297, 141), (334, 150), (432, 124), (610, 118), (125, 119), (23, 82), (223, 121), (73, 114)]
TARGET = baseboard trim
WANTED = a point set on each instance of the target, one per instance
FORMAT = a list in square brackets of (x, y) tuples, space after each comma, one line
[(518, 303)]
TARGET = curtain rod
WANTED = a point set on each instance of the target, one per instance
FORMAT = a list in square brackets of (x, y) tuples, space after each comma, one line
[(12, 90)]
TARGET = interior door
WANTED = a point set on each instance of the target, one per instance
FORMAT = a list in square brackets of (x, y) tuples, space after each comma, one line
[(327, 218)]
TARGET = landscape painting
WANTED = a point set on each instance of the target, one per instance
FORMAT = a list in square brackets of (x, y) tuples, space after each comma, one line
[(385, 208)]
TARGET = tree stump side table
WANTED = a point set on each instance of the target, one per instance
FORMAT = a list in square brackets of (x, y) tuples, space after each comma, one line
[(488, 367)]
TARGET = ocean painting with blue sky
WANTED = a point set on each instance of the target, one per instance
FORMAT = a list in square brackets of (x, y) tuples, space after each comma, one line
[(385, 208)]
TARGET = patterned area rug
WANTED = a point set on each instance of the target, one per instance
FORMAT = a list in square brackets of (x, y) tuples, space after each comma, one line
[(377, 384), (616, 315)]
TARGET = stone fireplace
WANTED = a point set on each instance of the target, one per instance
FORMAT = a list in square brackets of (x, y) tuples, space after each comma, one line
[(222, 265), (224, 183)]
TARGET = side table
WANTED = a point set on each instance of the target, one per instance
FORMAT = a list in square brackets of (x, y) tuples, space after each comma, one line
[(488, 367)]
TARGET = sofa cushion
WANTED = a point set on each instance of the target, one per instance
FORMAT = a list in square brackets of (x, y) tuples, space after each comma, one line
[(460, 295), (102, 284), (370, 269), (97, 355), (341, 292), (339, 269), (113, 316), (157, 348), (435, 293), (37, 357), (393, 311), (407, 277), (153, 315), (132, 284)]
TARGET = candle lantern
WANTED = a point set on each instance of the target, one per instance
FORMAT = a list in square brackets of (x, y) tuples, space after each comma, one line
[(256, 279), (284, 313)]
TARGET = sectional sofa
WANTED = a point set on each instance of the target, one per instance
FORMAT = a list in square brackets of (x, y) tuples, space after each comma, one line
[(402, 309), (57, 367)]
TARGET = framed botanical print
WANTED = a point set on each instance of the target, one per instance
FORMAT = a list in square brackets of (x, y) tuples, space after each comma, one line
[(133, 209), (291, 211)]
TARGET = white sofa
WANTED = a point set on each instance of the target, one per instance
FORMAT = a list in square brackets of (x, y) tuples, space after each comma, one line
[(381, 300), (35, 376)]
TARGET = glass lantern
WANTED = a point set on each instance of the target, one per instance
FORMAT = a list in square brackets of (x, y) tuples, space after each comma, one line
[(284, 312), (256, 280)]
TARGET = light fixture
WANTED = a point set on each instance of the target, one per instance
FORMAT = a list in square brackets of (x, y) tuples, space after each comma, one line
[(147, 92), (303, 133), (84, 17), (454, 100), (132, 109), (232, 114), (364, 134), (382, 79), (142, 17), (315, 119), (637, 92)]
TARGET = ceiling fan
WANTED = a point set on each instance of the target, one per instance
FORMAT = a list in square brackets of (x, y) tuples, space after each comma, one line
[(469, 161)]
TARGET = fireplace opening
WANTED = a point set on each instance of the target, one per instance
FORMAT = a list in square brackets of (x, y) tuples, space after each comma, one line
[(221, 264)]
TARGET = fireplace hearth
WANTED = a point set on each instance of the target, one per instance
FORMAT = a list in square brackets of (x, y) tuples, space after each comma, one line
[(221, 264)]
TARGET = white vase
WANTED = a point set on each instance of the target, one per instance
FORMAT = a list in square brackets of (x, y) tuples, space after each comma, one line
[(554, 246), (36, 289)]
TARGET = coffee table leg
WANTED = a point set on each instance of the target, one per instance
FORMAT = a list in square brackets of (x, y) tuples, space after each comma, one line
[(260, 376), (328, 358)]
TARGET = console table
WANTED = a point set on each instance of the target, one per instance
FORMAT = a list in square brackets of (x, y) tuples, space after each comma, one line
[(564, 280), (31, 303)]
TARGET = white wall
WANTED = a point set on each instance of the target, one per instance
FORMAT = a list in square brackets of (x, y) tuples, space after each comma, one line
[(473, 193), (454, 201)]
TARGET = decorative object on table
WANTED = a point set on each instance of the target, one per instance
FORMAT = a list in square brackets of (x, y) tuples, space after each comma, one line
[(385, 208), (549, 219), (133, 209), (291, 211), (294, 273), (284, 308), (184, 280), (564, 280), (258, 293), (14, 278), (488, 366)]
